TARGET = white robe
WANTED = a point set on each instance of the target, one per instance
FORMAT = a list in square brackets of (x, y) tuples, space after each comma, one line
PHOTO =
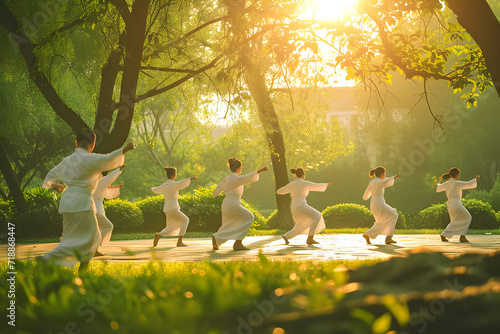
[(105, 225), (176, 221), (307, 219), (385, 216), (460, 218), (236, 220), (80, 172)]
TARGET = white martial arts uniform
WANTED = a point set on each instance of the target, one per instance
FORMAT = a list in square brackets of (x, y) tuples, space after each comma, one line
[(236, 220), (307, 219), (385, 216), (460, 218), (80, 172), (176, 221), (105, 225)]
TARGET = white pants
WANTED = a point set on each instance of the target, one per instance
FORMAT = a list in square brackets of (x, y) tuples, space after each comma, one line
[(81, 238), (177, 224), (105, 227), (460, 218), (307, 221), (236, 220), (385, 219)]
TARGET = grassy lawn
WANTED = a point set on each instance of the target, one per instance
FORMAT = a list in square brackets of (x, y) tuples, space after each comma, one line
[(363, 296), (142, 236)]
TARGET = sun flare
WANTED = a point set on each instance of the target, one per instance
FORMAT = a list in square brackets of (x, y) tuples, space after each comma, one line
[(330, 10)]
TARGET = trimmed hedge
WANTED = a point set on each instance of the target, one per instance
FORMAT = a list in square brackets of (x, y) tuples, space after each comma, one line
[(203, 210), (125, 216), (41, 222), (347, 215), (436, 216)]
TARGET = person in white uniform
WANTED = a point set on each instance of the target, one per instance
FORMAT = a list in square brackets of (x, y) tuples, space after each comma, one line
[(236, 220), (460, 218), (307, 219), (80, 172), (103, 190), (385, 216), (176, 221)]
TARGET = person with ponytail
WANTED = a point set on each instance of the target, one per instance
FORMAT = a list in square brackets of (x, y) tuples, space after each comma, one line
[(460, 218), (385, 216), (307, 219), (176, 221), (236, 220)]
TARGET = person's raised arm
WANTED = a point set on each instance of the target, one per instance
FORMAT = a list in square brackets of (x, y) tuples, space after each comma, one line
[(159, 189)]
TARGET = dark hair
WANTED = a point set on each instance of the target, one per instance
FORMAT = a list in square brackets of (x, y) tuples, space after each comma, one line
[(298, 172), (171, 171), (85, 138), (233, 164), (377, 171), (454, 171)]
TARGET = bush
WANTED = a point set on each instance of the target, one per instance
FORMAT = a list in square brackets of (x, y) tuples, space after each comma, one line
[(347, 215), (152, 211), (272, 220), (203, 210), (39, 222), (436, 216), (125, 216)]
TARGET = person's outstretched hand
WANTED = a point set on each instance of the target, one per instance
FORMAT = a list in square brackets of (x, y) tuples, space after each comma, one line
[(130, 146)]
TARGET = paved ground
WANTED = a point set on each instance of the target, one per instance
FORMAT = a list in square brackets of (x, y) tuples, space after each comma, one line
[(331, 247)]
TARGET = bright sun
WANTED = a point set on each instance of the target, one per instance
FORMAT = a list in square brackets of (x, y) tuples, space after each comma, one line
[(330, 10)]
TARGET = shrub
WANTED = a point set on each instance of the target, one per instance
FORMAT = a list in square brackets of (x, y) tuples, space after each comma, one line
[(125, 216), (347, 215), (272, 220), (203, 210), (436, 216), (38, 197), (39, 222), (152, 211)]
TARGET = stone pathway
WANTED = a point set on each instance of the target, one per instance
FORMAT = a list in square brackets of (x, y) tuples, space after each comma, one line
[(331, 247)]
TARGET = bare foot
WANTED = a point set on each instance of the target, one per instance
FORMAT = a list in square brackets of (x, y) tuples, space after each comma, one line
[(311, 241), (214, 244), (97, 253), (238, 245), (389, 240), (157, 238), (367, 238), (286, 240), (181, 244), (443, 238)]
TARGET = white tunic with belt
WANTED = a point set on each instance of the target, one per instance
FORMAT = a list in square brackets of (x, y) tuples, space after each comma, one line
[(177, 222), (105, 225), (80, 172), (236, 220), (307, 219), (460, 218), (385, 216)]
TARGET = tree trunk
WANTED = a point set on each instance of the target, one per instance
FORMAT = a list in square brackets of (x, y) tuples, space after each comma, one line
[(481, 23), (12, 183), (269, 121), (134, 46)]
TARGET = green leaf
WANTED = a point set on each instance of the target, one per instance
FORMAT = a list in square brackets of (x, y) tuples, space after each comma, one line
[(382, 324)]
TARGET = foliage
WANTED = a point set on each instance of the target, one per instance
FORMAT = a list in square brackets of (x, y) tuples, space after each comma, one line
[(202, 209), (125, 216), (492, 196), (222, 297), (347, 215), (436, 216), (41, 221)]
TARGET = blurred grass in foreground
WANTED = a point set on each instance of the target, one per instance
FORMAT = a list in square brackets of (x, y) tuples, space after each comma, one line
[(363, 296)]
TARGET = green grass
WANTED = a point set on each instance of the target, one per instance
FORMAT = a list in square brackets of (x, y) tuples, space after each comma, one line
[(362, 296), (142, 236)]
